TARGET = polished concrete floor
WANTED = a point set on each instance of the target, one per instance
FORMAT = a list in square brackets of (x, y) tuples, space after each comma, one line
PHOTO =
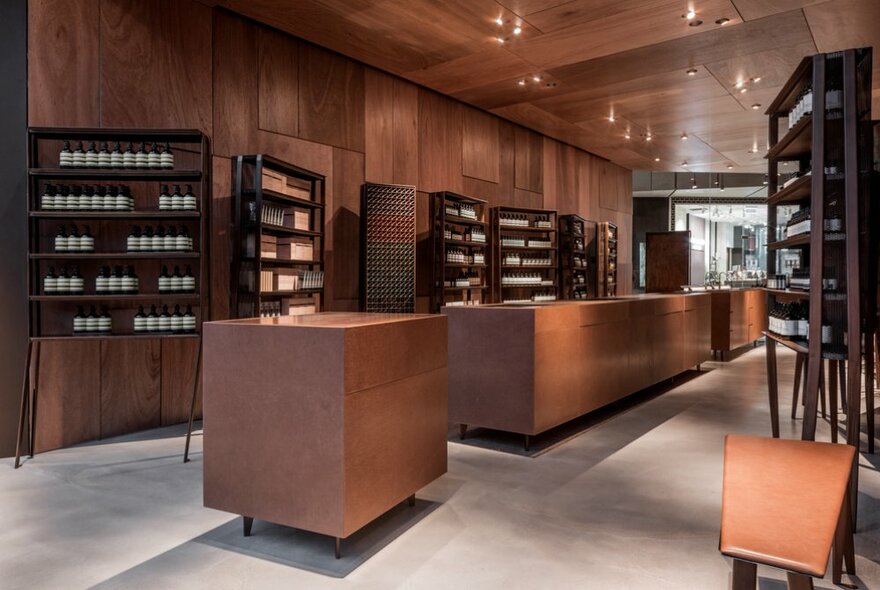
[(631, 503)]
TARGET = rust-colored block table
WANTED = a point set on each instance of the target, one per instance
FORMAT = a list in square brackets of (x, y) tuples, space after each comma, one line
[(323, 422), (528, 368)]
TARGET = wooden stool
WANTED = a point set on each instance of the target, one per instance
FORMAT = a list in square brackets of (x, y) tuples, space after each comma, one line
[(785, 503)]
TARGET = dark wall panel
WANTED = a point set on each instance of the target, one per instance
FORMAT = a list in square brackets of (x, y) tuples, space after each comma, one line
[(13, 240)]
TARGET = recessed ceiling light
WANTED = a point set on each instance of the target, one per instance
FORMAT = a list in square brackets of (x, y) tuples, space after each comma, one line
[(684, 164), (499, 21), (690, 14), (722, 21), (500, 39), (657, 159), (626, 136), (756, 79), (743, 90), (517, 30), (756, 106), (692, 72), (648, 137), (536, 78), (521, 82), (684, 136), (695, 23), (730, 166), (611, 117), (739, 84)]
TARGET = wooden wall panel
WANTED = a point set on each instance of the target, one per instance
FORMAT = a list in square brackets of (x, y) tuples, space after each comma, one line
[(331, 98), (130, 386), (439, 143), (180, 63), (69, 396), (63, 62), (479, 145), (379, 126), (406, 133), (529, 160), (507, 160), (236, 79), (279, 82), (156, 64), (177, 379)]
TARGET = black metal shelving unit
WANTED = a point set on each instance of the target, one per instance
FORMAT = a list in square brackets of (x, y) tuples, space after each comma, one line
[(538, 254), (51, 315), (453, 238), (832, 147), (607, 259), (265, 184), (577, 257)]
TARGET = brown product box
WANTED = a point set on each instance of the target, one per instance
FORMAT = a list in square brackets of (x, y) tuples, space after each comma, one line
[(297, 307), (296, 249), (300, 189), (297, 219), (274, 181), (285, 282)]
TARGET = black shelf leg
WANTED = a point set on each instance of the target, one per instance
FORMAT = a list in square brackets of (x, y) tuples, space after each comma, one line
[(33, 403), (24, 413), (197, 386)]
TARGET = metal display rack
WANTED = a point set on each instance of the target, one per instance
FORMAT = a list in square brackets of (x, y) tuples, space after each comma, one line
[(51, 314)]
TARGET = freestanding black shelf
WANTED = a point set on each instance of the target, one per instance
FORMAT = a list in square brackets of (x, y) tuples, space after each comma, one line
[(460, 241), (607, 259), (263, 183), (577, 257), (834, 144), (524, 255), (50, 314)]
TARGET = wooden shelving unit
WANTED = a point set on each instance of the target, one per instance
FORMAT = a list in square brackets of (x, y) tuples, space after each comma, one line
[(577, 257), (279, 238), (834, 143), (453, 240), (51, 316), (607, 259), (539, 244)]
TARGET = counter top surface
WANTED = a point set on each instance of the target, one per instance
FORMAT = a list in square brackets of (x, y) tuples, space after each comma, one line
[(328, 320), (588, 302)]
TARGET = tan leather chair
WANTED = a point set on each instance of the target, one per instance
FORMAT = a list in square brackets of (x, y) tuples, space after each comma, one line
[(784, 504)]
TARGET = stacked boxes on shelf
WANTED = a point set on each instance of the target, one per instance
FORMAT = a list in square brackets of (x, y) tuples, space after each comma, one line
[(279, 216)]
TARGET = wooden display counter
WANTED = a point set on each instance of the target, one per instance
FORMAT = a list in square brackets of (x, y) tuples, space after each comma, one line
[(528, 368), (323, 422), (739, 316)]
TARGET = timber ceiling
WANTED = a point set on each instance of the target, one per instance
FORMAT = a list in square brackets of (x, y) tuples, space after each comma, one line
[(595, 59)]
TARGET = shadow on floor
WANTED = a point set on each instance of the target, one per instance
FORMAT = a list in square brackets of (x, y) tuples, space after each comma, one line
[(508, 442), (314, 552)]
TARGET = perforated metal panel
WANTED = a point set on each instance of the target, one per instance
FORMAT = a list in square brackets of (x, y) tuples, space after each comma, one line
[(388, 271)]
